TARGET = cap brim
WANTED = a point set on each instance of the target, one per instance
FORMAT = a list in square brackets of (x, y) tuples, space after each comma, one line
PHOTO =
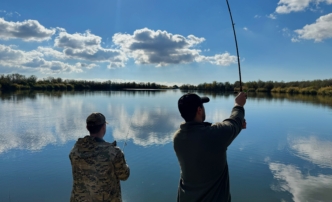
[(205, 99)]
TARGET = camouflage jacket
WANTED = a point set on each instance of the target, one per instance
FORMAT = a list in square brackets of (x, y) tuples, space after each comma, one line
[(97, 168)]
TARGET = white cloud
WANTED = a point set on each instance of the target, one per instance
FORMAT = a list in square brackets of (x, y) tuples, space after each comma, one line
[(77, 40), (294, 40), (13, 57), (219, 59), (257, 16), (98, 55), (158, 47), (50, 52), (302, 187), (10, 14), (84, 65), (28, 30), (145, 46), (285, 32), (10, 57), (318, 31), (272, 16), (162, 48), (288, 6), (60, 29), (245, 28), (313, 150), (13, 46), (87, 46)]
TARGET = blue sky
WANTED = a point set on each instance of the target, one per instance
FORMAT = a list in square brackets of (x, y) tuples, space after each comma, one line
[(168, 42)]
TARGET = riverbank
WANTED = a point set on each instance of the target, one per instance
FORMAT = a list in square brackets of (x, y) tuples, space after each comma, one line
[(293, 90), (314, 87)]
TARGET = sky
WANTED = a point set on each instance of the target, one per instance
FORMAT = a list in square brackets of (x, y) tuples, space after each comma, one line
[(167, 42)]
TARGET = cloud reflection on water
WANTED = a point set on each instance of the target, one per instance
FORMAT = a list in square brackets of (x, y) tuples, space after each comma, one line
[(302, 187), (305, 187), (33, 121), (31, 125), (217, 115), (313, 150), (34, 124), (149, 125), (144, 127)]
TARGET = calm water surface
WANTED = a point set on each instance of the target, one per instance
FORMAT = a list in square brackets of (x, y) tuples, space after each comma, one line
[(285, 154)]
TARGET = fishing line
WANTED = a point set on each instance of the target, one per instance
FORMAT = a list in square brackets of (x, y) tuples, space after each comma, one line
[(125, 142), (237, 49)]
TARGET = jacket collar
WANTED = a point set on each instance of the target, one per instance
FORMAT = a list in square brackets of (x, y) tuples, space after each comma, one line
[(187, 125), (99, 139)]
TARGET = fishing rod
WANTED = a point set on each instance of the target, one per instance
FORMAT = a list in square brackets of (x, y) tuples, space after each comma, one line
[(237, 52), (237, 49)]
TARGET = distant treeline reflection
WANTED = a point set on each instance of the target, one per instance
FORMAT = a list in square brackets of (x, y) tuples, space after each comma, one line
[(32, 95), (12, 82), (18, 96)]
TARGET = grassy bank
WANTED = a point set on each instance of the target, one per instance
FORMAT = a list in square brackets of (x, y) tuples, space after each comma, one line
[(315, 87)]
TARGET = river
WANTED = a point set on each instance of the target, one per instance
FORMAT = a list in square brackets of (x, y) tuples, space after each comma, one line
[(285, 154)]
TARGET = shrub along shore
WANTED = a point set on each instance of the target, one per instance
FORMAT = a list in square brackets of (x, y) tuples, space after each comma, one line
[(12, 82), (315, 87)]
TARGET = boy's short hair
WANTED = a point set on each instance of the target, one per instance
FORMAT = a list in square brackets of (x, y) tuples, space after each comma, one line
[(94, 122)]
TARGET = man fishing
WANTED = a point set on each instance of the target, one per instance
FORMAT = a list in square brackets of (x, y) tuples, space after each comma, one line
[(97, 166), (201, 150)]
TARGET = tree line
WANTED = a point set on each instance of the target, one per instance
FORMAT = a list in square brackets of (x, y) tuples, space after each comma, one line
[(322, 87), (21, 82)]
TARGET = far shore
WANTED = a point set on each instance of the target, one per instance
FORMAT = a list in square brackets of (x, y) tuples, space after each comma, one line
[(14, 82)]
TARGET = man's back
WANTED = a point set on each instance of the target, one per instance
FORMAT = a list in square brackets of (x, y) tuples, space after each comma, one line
[(201, 150), (97, 167)]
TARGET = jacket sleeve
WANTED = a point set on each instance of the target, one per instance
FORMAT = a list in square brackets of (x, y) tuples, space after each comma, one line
[(231, 127), (122, 170)]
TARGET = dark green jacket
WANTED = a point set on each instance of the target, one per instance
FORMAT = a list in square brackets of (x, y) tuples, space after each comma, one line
[(201, 152)]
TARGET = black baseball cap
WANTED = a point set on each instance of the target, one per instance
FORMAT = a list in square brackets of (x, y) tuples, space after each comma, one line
[(189, 102)]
